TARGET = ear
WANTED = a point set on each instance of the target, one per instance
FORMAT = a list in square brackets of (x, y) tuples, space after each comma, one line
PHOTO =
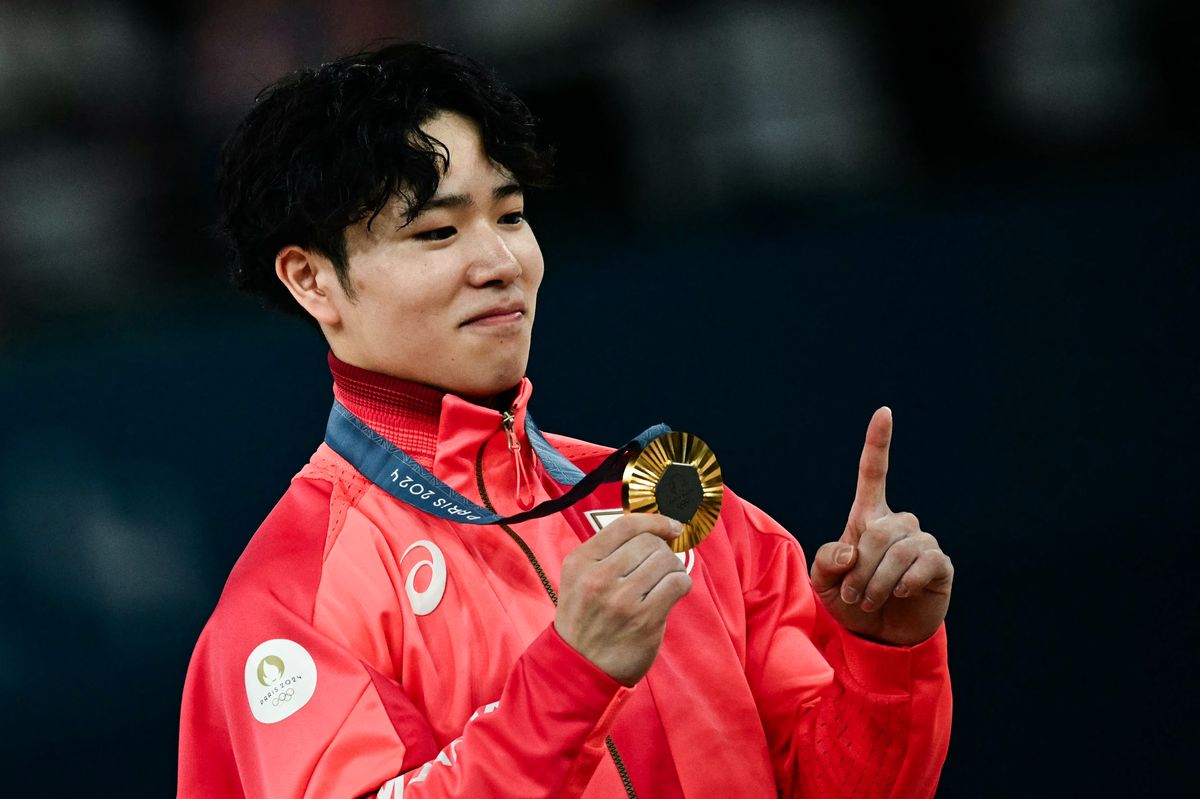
[(311, 279)]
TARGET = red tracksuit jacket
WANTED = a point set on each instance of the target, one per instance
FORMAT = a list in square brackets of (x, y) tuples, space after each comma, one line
[(362, 647)]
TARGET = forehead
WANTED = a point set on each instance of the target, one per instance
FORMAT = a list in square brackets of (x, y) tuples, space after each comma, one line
[(467, 159), (468, 178)]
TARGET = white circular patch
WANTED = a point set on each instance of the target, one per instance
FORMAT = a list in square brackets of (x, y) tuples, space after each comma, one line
[(280, 679)]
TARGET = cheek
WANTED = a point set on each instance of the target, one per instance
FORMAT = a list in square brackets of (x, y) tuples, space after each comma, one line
[(407, 294)]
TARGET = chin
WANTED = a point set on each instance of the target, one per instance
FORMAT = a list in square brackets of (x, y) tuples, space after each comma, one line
[(499, 382)]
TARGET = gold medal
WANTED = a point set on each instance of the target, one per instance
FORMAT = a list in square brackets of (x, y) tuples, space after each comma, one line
[(676, 475)]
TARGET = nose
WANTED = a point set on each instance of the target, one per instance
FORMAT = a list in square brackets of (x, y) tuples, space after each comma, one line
[(494, 261)]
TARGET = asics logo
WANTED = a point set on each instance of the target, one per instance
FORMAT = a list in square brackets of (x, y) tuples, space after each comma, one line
[(426, 600), (688, 559)]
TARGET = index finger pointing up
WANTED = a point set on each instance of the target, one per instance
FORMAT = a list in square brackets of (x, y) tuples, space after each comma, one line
[(870, 498)]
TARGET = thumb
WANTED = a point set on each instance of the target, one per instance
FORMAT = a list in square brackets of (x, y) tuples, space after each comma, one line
[(830, 565)]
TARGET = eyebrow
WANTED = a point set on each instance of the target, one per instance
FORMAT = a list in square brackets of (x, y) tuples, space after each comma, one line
[(464, 200)]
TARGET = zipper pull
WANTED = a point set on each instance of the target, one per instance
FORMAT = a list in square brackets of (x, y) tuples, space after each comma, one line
[(508, 421)]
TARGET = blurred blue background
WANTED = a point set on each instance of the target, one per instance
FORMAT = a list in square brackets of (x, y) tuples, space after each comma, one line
[(982, 213)]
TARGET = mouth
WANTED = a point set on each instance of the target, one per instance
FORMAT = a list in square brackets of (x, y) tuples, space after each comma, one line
[(504, 314)]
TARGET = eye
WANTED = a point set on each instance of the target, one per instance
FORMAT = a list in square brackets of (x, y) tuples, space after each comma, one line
[(437, 234), (515, 218)]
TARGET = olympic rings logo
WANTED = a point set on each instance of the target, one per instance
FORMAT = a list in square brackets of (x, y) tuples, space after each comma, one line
[(283, 696)]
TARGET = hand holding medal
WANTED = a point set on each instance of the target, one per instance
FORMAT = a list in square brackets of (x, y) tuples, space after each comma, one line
[(618, 587), (677, 475)]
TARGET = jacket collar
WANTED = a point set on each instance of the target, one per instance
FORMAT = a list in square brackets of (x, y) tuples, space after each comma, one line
[(441, 431)]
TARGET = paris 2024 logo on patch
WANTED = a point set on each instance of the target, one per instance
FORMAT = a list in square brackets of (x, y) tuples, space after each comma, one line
[(280, 679)]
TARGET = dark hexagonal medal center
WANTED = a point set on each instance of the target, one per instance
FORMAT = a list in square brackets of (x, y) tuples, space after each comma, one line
[(678, 492)]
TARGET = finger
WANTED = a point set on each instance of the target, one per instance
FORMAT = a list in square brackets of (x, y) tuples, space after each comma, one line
[(667, 588), (899, 559), (629, 526), (870, 495), (830, 565), (873, 545), (627, 558), (932, 571), (639, 582)]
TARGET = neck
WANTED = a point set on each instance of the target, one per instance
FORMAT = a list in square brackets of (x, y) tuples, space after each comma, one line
[(404, 412)]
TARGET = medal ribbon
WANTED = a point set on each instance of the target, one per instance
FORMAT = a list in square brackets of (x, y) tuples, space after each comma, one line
[(395, 471)]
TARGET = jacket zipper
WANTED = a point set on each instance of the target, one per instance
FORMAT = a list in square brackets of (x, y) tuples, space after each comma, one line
[(507, 422)]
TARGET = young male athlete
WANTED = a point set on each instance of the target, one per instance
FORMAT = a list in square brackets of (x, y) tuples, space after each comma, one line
[(387, 633)]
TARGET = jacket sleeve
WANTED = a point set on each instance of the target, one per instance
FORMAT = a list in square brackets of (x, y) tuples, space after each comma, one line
[(544, 737), (276, 707), (357, 734), (881, 728)]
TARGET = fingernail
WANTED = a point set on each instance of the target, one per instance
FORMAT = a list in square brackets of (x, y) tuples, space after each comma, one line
[(676, 525), (844, 556), (849, 594), (901, 590), (867, 605)]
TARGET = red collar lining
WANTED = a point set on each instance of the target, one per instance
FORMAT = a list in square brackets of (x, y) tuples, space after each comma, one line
[(403, 412)]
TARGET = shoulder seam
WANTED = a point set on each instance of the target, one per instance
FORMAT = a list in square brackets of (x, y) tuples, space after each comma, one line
[(344, 496)]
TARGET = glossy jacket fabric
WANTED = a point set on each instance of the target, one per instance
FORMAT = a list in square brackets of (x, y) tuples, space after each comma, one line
[(421, 658)]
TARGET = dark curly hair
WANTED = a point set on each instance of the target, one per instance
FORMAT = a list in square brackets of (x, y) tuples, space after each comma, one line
[(325, 148)]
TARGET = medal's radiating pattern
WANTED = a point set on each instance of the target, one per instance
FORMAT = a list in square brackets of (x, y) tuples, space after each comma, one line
[(676, 475)]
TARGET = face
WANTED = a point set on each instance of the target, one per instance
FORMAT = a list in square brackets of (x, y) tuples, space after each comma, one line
[(446, 300)]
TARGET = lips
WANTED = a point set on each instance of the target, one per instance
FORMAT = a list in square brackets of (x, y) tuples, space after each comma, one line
[(498, 314)]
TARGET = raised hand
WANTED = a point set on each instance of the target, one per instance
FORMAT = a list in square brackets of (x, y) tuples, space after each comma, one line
[(615, 592), (885, 578)]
